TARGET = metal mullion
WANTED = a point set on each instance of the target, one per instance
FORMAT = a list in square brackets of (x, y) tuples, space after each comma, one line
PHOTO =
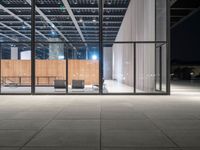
[(32, 46), (100, 47), (168, 63), (134, 59), (66, 57), (160, 67)]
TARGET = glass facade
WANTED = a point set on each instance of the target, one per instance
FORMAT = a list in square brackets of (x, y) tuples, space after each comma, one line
[(84, 47)]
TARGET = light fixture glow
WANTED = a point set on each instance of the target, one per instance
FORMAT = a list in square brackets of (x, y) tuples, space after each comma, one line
[(53, 32), (94, 20), (81, 20), (52, 25), (23, 26), (61, 57), (109, 2), (94, 57), (92, 2), (75, 2)]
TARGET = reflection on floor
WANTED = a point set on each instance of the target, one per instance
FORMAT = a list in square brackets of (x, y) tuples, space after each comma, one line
[(185, 87), (110, 86), (15, 89), (116, 87)]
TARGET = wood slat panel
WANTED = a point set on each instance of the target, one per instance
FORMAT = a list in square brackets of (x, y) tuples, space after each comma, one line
[(49, 70)]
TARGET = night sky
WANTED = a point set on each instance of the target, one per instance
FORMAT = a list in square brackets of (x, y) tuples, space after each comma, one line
[(185, 40)]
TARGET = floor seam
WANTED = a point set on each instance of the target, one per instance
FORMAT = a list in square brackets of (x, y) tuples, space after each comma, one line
[(39, 131), (162, 131)]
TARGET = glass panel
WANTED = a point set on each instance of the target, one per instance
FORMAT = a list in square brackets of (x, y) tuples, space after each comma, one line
[(164, 68), (50, 68), (83, 68), (145, 68), (15, 21), (158, 68), (118, 68), (15, 68)]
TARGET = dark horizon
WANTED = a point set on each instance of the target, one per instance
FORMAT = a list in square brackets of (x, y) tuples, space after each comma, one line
[(185, 41)]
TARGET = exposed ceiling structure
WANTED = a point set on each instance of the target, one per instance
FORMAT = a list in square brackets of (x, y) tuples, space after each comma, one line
[(183, 9), (73, 20)]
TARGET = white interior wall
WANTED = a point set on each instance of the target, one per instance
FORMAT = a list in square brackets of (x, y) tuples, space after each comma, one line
[(107, 61), (138, 25), (14, 53), (25, 55)]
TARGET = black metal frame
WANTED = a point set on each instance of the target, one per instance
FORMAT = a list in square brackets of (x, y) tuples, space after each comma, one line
[(101, 42)]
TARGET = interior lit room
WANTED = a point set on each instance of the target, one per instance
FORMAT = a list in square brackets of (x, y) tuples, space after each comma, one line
[(84, 47)]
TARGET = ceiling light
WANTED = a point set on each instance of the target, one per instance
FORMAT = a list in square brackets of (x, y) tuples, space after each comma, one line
[(109, 2), (78, 11), (108, 11), (23, 26), (75, 2), (92, 2), (94, 57), (53, 32), (52, 25), (81, 20), (94, 20)]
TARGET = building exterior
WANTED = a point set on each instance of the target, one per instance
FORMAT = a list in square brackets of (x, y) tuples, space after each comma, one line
[(85, 47)]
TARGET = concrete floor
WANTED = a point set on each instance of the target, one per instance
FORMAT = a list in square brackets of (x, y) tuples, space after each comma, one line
[(100, 122)]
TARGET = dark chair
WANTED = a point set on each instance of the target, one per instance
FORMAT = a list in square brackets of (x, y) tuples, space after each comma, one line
[(59, 84), (78, 84)]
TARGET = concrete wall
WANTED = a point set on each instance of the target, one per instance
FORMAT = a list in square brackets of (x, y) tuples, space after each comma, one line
[(138, 25)]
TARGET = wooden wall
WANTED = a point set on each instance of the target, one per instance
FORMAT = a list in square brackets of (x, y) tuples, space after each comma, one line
[(84, 70), (49, 70)]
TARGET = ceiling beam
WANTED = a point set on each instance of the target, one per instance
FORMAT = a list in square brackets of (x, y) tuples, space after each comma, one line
[(86, 15), (69, 10), (182, 8), (4, 25), (172, 2), (186, 17), (73, 8), (48, 21), (21, 20), (11, 38), (176, 16), (63, 22)]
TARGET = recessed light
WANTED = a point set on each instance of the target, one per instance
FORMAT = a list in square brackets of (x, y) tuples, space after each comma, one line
[(81, 20), (75, 2), (92, 2), (52, 25), (94, 20), (78, 11), (109, 2)]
